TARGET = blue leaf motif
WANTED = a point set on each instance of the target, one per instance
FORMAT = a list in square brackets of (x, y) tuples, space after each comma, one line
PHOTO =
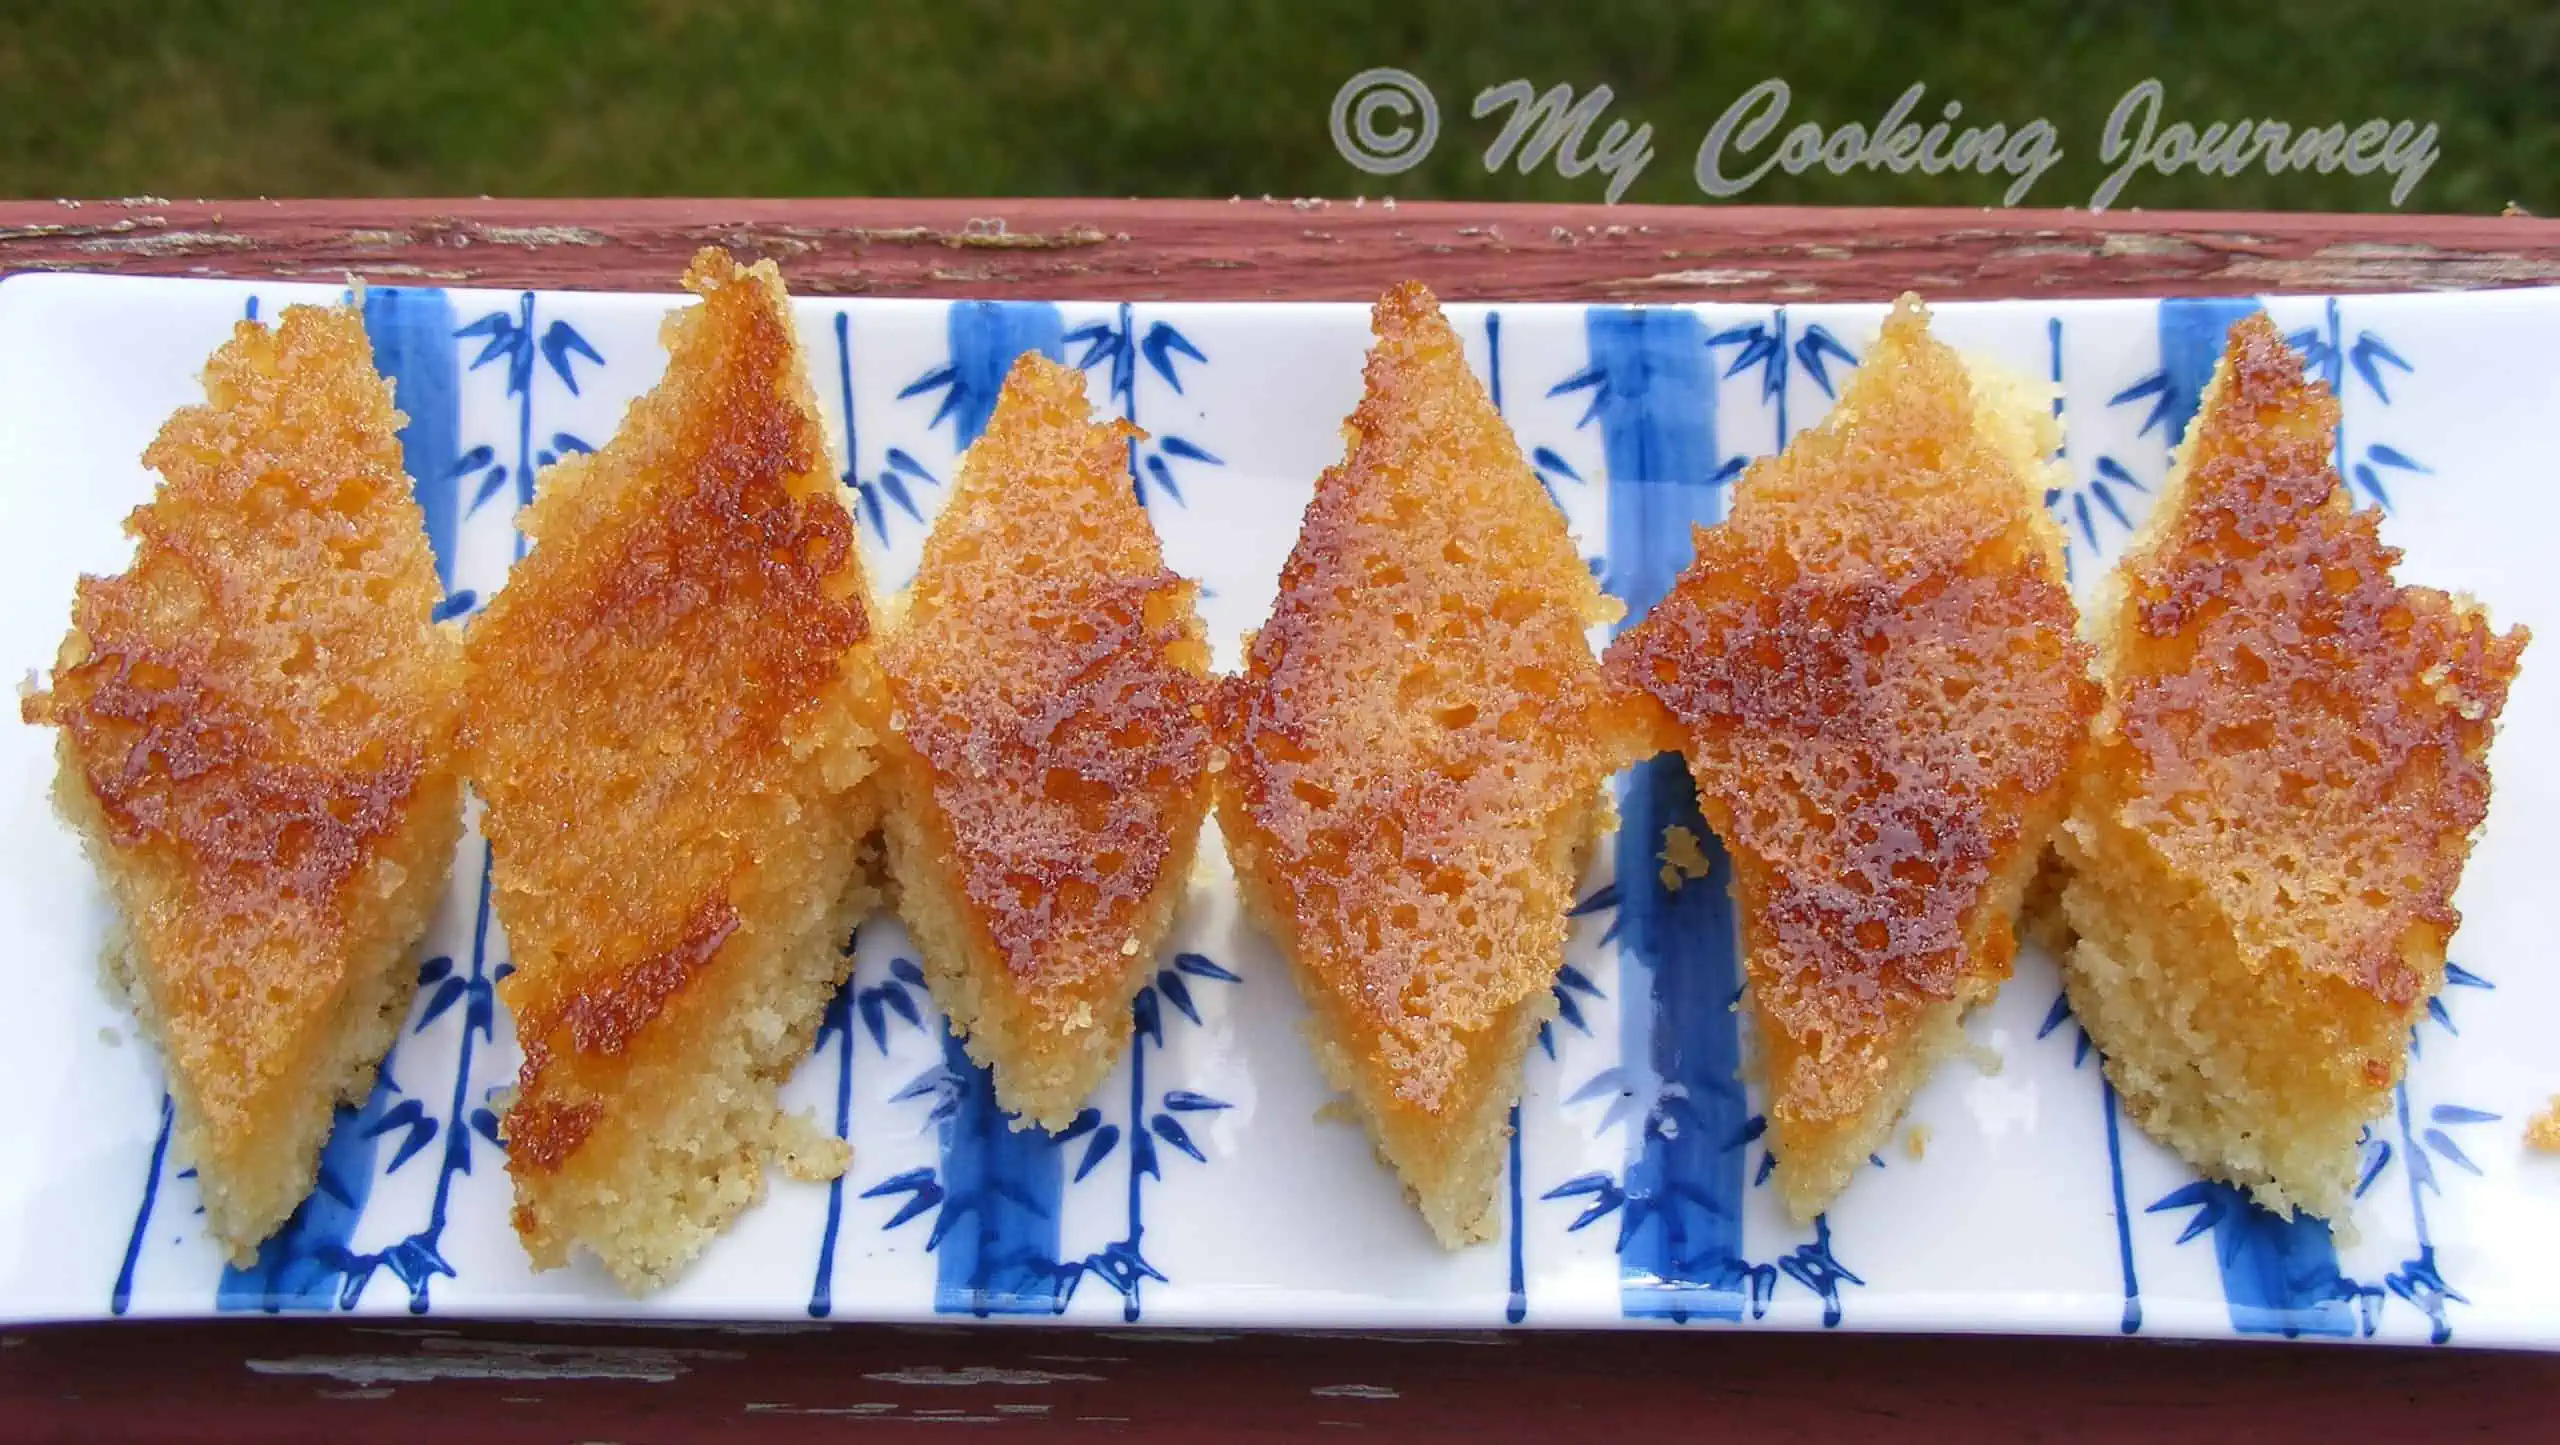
[(2443, 1144), (2458, 1114), (1605, 1194), (1592, 379), (1097, 338), (1163, 343), (1570, 1011), (1545, 459), (560, 342), (490, 486), (2055, 1016), (922, 1188), (1601, 900), (2156, 387), (1177, 993), (1184, 1101), (1199, 965), (411, 1116), (2377, 1157), (1104, 1140), (1170, 1130), (943, 375), (447, 994), (500, 330), (1187, 450), (1811, 349), (433, 969), (2200, 1196), (2369, 355)]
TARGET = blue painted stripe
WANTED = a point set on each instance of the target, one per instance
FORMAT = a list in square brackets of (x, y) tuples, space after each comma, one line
[(2132, 1319), (1680, 1242), (2192, 330), (2279, 1275), (412, 331), (998, 1247), (122, 1298), (837, 1026)]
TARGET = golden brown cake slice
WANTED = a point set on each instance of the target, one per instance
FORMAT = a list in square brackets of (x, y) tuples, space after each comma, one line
[(1872, 671), (670, 720), (258, 747), (1048, 748), (2288, 771), (1415, 757)]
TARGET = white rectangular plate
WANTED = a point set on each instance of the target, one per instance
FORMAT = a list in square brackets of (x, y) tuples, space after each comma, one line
[(1203, 1187)]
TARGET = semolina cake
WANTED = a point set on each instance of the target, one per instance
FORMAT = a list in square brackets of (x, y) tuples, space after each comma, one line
[(258, 746), (1872, 670), (1048, 746), (2287, 774), (1415, 755), (670, 721)]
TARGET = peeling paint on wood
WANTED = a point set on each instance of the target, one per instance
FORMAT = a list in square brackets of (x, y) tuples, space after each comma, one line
[(1149, 250), (459, 1359), (979, 1375)]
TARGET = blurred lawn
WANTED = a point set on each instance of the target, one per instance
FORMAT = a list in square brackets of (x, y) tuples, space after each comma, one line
[(1169, 97)]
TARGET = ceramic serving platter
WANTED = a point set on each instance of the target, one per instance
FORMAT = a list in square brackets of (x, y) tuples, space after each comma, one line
[(1207, 1183)]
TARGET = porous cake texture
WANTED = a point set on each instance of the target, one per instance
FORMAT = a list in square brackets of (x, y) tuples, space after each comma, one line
[(2291, 763), (672, 714), (258, 747), (1048, 748), (1872, 672), (1415, 758)]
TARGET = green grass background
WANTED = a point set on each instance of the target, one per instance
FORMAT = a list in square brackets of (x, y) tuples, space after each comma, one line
[(1173, 98)]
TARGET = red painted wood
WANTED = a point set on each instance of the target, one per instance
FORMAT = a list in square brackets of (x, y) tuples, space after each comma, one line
[(464, 1384), (1294, 249), (496, 1385)]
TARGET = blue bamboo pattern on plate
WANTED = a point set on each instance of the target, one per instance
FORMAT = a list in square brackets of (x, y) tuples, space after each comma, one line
[(996, 1193), (310, 1262), (2281, 1275), (1676, 1088), (1163, 349)]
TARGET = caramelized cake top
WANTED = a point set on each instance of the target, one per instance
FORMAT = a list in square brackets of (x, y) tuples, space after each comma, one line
[(1872, 667), (253, 704), (2286, 722), (1051, 675), (692, 592), (1422, 714)]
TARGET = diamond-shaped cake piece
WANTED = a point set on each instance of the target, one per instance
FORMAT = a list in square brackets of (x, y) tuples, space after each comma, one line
[(2289, 769), (672, 714), (258, 744), (1048, 747), (1872, 671), (1415, 759)]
